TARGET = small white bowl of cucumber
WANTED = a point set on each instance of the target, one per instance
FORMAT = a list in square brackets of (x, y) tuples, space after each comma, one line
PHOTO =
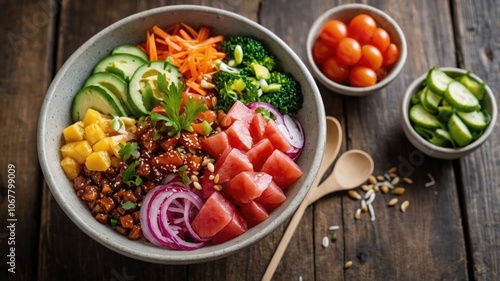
[(448, 112)]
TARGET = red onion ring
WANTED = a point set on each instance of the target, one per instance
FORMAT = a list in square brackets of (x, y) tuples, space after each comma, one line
[(166, 215)]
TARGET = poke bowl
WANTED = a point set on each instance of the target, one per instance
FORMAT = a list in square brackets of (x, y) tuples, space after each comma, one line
[(71, 101)]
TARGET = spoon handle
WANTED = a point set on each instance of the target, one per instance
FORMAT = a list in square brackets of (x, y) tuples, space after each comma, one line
[(287, 236)]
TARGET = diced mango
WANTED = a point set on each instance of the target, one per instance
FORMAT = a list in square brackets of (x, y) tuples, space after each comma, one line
[(115, 142), (71, 168), (94, 133), (103, 145), (92, 116), (77, 150), (98, 161), (74, 132), (115, 161)]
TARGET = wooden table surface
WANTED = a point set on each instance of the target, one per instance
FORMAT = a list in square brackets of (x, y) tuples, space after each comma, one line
[(451, 231)]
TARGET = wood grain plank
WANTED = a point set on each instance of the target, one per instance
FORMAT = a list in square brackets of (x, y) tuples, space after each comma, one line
[(478, 38), (427, 241), (25, 57)]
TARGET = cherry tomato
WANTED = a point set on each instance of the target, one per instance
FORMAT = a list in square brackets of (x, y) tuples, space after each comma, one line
[(348, 51), (370, 57), (381, 73), (362, 27), (321, 51), (391, 55), (333, 31), (361, 76), (380, 39), (334, 70)]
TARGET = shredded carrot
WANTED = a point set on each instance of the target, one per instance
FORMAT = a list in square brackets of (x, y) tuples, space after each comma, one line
[(193, 51)]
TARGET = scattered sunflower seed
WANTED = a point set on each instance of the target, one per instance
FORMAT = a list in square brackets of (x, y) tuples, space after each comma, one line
[(393, 202), (404, 206), (380, 178), (393, 175), (384, 188), (395, 181), (357, 215), (372, 180), (354, 195), (348, 265), (376, 189), (366, 187), (392, 170), (398, 191), (407, 180)]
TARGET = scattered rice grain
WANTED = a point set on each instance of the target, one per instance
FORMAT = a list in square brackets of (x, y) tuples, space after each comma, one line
[(384, 188), (364, 208), (371, 211), (366, 187), (376, 189), (325, 242), (431, 182), (371, 199), (348, 265), (392, 170), (369, 194), (333, 227), (380, 178)]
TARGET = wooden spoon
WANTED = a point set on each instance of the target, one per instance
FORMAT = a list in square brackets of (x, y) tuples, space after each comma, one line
[(352, 169)]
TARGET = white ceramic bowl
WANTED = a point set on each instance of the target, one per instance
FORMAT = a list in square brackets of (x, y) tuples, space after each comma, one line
[(345, 13), (55, 116), (435, 151)]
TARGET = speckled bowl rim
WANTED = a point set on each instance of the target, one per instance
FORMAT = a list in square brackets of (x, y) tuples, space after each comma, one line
[(433, 150), (145, 251), (343, 89)]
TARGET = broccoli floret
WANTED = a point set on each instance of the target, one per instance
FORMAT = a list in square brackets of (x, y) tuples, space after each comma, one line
[(253, 51), (288, 97), (234, 87)]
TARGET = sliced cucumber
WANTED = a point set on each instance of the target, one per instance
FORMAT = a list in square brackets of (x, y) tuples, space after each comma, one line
[(147, 74), (459, 131), (425, 133), (113, 83), (461, 98), (98, 98), (423, 118), (476, 88), (131, 50), (475, 120), (148, 98), (438, 81), (430, 101), (444, 113), (123, 65)]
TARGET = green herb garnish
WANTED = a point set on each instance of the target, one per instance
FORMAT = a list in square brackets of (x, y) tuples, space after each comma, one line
[(129, 176), (172, 100), (129, 205), (113, 222), (129, 150), (183, 173)]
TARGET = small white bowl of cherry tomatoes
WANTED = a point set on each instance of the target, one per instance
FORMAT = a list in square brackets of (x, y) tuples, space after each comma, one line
[(355, 49)]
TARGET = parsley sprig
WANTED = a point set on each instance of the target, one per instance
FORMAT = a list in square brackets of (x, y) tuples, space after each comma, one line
[(176, 118)]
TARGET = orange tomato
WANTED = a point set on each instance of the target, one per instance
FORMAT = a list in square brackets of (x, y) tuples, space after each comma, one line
[(391, 55), (348, 51), (321, 51), (361, 76), (334, 70), (370, 57), (380, 39), (333, 31), (362, 27)]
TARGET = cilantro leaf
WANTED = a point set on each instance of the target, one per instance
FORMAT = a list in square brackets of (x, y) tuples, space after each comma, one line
[(129, 150), (129, 176), (172, 100), (129, 205)]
